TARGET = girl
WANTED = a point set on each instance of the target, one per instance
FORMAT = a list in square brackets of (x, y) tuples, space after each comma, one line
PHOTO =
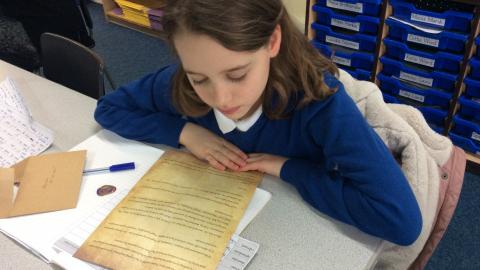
[(250, 93)]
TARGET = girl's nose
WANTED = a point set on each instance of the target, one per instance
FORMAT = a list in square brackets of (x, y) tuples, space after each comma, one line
[(222, 96)]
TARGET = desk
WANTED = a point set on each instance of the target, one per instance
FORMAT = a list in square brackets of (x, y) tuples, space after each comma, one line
[(291, 234)]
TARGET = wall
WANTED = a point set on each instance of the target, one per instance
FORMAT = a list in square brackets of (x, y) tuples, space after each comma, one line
[(297, 9)]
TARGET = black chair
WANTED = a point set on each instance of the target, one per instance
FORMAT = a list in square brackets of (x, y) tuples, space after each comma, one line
[(72, 64), (15, 45), (69, 18)]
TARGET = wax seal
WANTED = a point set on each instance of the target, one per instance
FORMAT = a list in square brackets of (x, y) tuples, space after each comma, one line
[(105, 190)]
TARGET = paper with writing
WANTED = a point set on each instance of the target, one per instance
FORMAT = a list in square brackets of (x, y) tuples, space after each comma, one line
[(237, 255), (180, 215), (20, 135)]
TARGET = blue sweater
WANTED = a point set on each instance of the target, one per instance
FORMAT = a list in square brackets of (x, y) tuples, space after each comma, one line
[(336, 161)]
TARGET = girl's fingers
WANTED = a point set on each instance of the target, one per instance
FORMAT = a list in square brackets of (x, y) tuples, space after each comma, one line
[(217, 165), (227, 153), (235, 150), (225, 160), (235, 158), (248, 167), (238, 155), (255, 157)]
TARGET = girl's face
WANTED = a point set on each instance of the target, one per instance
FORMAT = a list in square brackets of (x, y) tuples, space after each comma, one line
[(229, 81)]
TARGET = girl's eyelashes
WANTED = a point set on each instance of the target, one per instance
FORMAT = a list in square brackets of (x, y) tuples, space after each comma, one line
[(232, 79), (197, 82), (237, 79)]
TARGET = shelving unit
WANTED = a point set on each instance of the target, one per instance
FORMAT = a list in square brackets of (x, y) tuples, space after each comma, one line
[(295, 8), (386, 10), (109, 7)]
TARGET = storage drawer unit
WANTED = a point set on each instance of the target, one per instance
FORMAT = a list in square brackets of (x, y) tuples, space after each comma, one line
[(442, 61), (435, 118), (357, 23), (465, 143), (419, 97), (360, 74), (469, 110), (447, 41), (448, 20), (475, 68), (357, 41), (435, 79), (366, 7), (345, 58), (472, 89), (466, 129)]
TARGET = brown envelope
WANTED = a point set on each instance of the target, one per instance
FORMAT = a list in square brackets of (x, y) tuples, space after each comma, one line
[(47, 183)]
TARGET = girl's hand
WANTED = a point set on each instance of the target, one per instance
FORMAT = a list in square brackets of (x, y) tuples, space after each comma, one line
[(265, 163), (205, 145)]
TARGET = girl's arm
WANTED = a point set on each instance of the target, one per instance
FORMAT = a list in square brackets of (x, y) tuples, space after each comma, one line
[(141, 110), (358, 181)]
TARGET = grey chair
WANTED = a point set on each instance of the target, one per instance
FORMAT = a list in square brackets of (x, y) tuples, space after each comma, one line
[(73, 65)]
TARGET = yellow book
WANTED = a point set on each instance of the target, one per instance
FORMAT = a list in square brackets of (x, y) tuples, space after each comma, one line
[(141, 6)]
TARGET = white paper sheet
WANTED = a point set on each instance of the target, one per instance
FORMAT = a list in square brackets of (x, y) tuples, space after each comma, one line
[(20, 135), (238, 253), (40, 232)]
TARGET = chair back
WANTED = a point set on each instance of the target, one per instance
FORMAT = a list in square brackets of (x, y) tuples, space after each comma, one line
[(72, 64)]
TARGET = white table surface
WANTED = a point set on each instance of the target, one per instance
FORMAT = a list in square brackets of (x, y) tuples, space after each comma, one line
[(292, 235)]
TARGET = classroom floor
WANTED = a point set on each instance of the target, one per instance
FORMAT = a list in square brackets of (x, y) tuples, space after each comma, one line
[(129, 55)]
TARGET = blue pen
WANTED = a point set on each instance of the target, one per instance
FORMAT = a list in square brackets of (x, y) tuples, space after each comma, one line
[(113, 168)]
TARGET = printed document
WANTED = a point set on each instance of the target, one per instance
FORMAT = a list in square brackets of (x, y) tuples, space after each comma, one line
[(237, 255), (20, 135), (74, 226), (180, 215)]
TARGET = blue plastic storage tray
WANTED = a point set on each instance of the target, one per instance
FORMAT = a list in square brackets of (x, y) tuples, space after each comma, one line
[(435, 79), (449, 20), (472, 88), (357, 23), (469, 110), (357, 41), (445, 40), (390, 99), (442, 61), (435, 118), (466, 129), (477, 42), (356, 59), (425, 97), (475, 68), (465, 143), (367, 7), (360, 74)]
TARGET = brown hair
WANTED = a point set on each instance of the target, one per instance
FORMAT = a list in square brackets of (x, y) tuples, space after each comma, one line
[(247, 25)]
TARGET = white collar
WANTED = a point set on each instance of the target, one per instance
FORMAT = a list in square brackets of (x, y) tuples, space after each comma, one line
[(226, 124)]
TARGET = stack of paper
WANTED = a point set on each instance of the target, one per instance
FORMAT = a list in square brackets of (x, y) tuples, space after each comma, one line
[(238, 254), (155, 16), (136, 11), (20, 135), (63, 232)]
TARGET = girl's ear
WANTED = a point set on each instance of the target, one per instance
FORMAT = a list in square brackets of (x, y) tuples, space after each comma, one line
[(275, 41)]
